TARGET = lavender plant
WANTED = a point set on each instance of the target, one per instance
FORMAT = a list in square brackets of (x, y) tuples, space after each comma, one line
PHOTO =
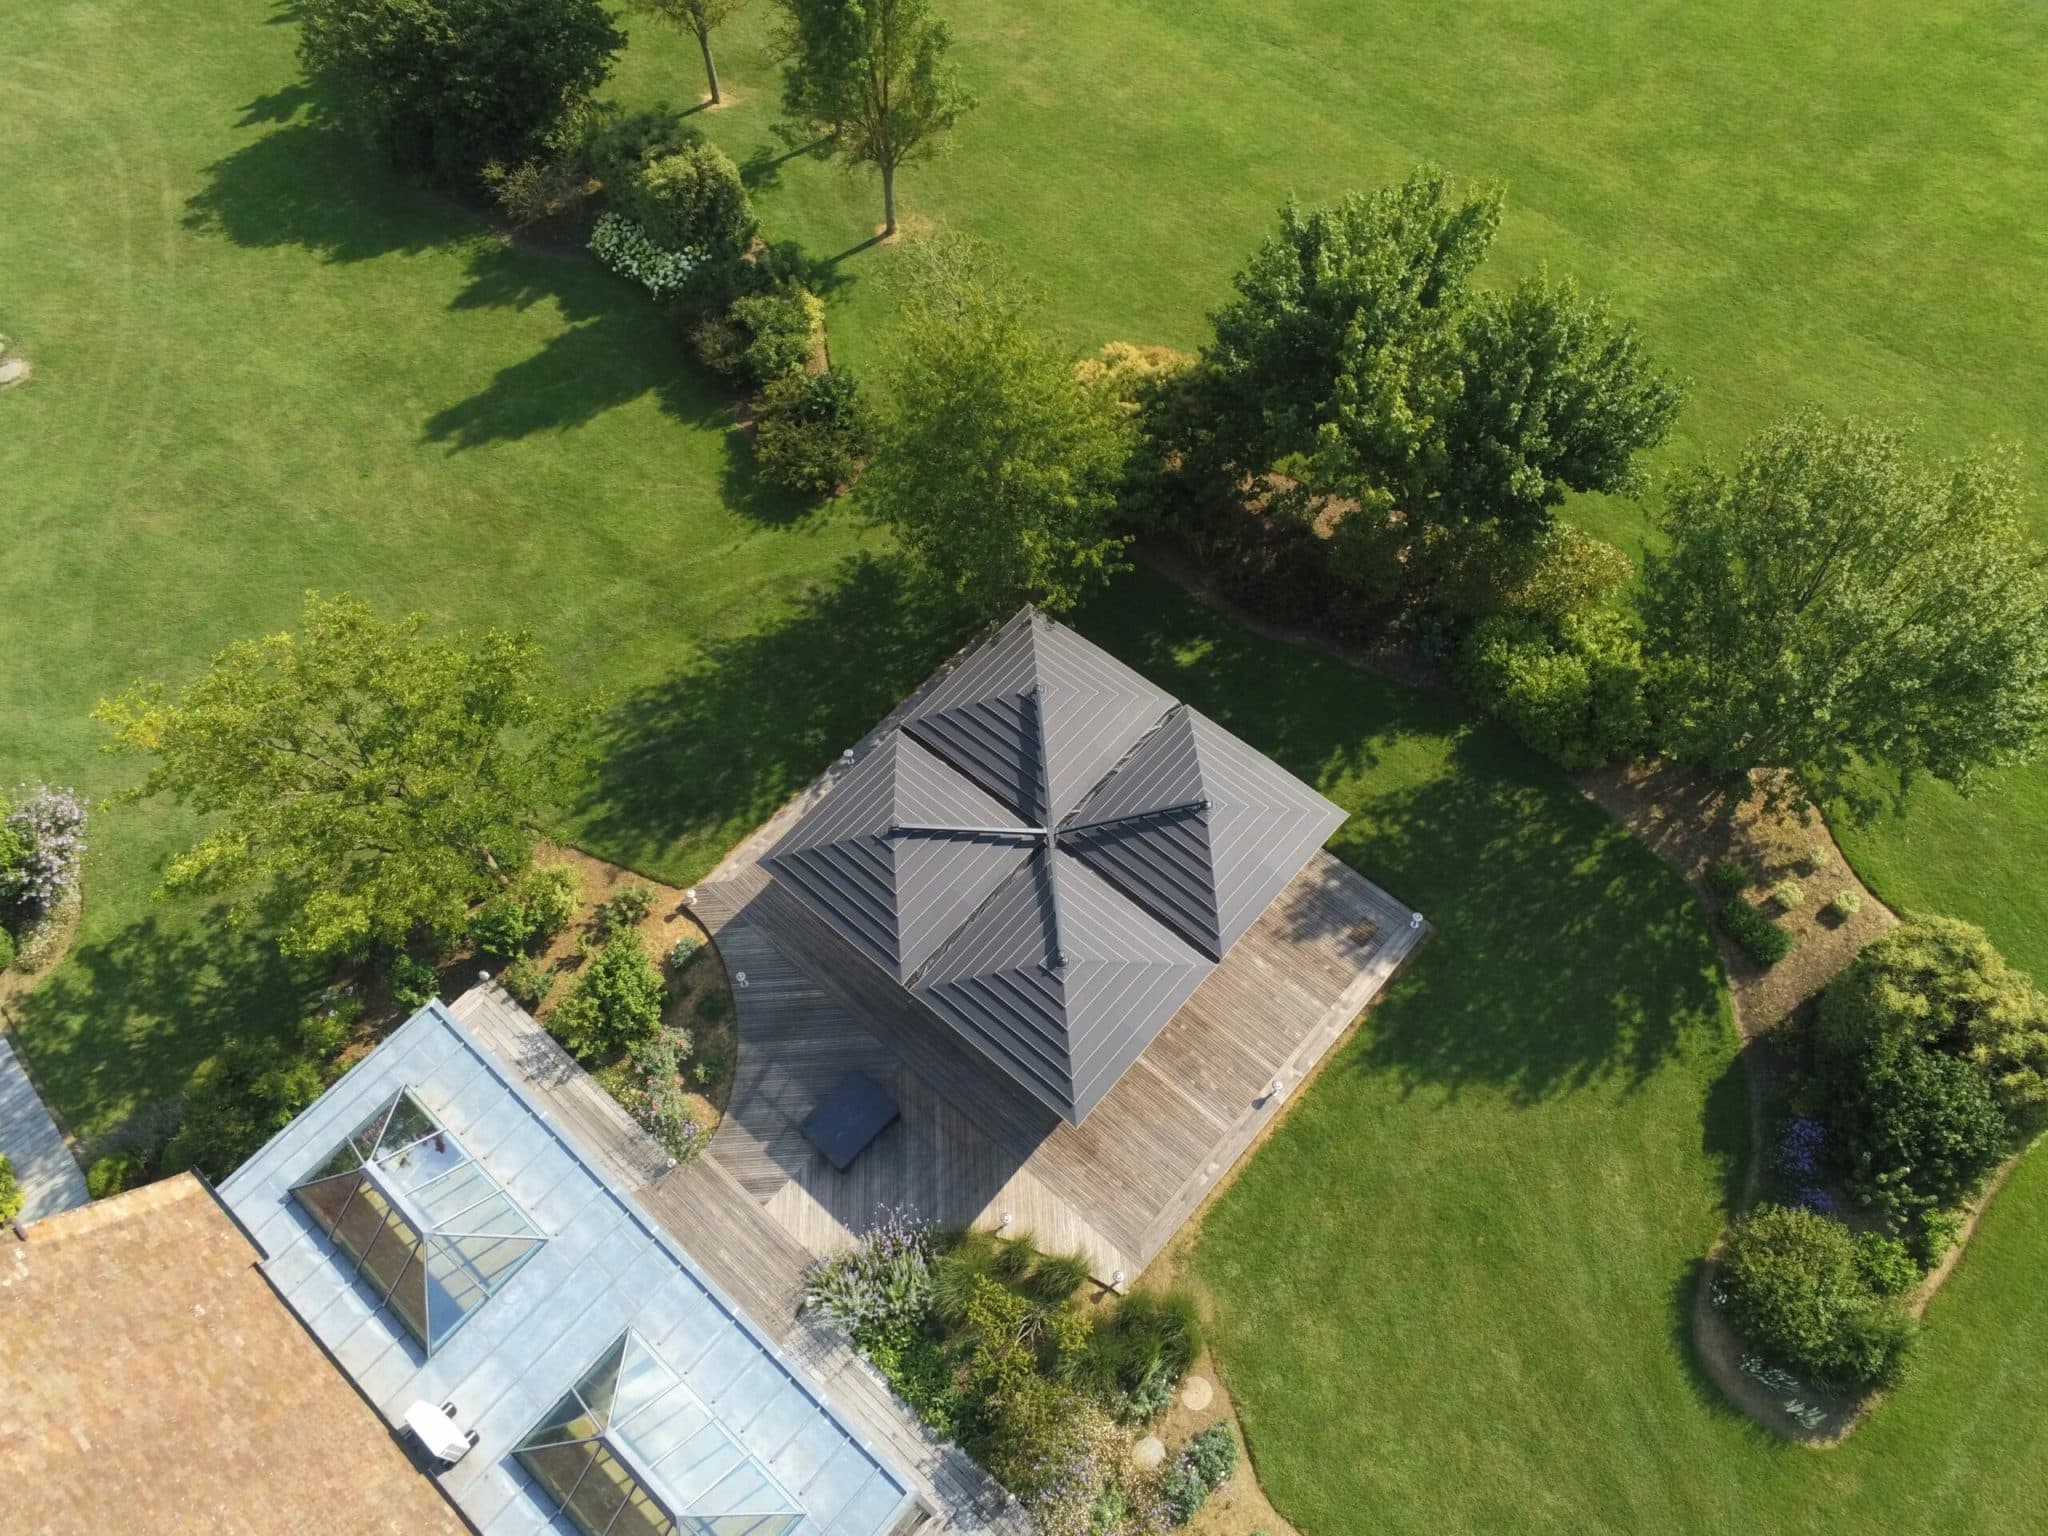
[(883, 1282), (1801, 1147)]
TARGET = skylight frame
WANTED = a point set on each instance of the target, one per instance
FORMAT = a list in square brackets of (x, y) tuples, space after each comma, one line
[(612, 1436), (439, 1266)]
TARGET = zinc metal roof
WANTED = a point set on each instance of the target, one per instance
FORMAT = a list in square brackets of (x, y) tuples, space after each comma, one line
[(1050, 853), (603, 1269)]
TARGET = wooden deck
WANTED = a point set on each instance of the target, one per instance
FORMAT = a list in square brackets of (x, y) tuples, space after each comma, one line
[(970, 1146), (747, 1255)]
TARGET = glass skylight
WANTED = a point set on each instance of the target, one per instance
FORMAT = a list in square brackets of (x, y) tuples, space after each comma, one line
[(429, 1230), (632, 1451)]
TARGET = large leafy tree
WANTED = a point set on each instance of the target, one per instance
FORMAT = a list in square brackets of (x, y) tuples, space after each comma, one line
[(448, 86), (699, 18), (366, 782), (997, 463), (874, 76), (1835, 601), (1360, 367)]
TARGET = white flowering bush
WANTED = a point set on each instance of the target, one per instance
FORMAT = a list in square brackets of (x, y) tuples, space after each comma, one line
[(624, 246)]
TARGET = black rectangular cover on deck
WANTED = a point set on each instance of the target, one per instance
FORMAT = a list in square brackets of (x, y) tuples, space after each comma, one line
[(848, 1118)]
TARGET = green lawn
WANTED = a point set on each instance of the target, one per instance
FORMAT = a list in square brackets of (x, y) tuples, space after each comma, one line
[(1816, 200), (1451, 1293), (259, 368)]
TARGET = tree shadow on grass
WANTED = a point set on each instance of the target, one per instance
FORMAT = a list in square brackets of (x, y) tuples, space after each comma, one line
[(690, 764), (614, 349), (307, 184), (1564, 954), (117, 1028)]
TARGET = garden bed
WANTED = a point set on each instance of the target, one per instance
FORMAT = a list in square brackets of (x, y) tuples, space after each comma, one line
[(699, 998), (1708, 835)]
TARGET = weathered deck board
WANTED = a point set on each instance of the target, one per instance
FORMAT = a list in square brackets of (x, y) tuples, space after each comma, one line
[(972, 1146), (726, 1229)]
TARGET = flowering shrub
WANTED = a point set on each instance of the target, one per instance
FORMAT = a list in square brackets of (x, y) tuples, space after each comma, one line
[(883, 1282), (1203, 1466), (44, 848), (623, 246), (656, 1090)]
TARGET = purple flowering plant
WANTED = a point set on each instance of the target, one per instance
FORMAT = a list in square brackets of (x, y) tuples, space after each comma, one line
[(658, 1100), (884, 1280), (45, 848)]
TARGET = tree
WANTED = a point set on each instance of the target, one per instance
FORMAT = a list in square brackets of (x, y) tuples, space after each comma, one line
[(449, 86), (1360, 377), (874, 76), (1792, 1284), (1836, 602), (996, 464), (369, 783), (698, 18)]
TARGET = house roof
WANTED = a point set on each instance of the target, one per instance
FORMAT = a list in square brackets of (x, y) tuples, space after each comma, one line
[(738, 1424), (157, 1383), (1051, 853)]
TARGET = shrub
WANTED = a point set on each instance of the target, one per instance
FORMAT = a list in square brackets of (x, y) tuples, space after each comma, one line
[(1754, 934), (1791, 1285), (551, 894), (536, 190), (1885, 1263), (10, 1191), (502, 925), (45, 849), (6, 950), (1844, 904), (1933, 1235), (688, 199), (1201, 1468), (762, 337), (614, 1004), (625, 908), (1573, 689), (626, 249), (1787, 895), (1941, 984), (684, 952), (714, 1005), (111, 1174), (615, 144), (1728, 878), (655, 1092), (527, 980), (1914, 1128), (447, 86), (811, 431), (413, 982)]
